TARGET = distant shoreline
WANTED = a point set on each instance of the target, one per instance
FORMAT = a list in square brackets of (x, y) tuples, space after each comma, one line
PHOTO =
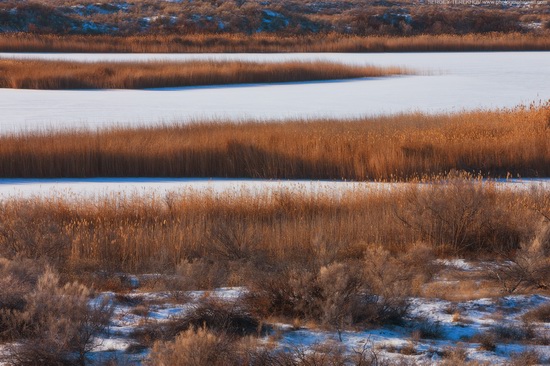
[(272, 43)]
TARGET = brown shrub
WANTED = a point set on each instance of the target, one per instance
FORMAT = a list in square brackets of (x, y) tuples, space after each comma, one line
[(201, 348), (195, 348), (454, 356), (201, 274), (57, 326), (529, 268), (503, 333), (539, 314), (338, 295), (17, 278), (525, 358), (459, 217), (487, 341), (232, 319)]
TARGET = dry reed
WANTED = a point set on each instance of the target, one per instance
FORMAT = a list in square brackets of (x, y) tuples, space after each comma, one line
[(264, 231), (34, 74), (197, 43), (401, 147)]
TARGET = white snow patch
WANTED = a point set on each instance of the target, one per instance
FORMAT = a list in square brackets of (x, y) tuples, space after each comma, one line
[(160, 188)]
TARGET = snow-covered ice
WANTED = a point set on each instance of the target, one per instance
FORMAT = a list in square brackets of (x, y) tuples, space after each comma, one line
[(120, 188), (447, 82), (160, 187)]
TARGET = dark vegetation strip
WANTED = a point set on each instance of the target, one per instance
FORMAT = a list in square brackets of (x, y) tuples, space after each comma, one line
[(265, 42)]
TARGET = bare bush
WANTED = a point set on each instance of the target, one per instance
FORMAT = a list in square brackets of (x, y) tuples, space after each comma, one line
[(201, 274), (342, 303), (529, 268), (426, 329), (221, 317), (539, 314), (339, 295), (462, 216), (201, 348), (194, 348), (453, 356), (487, 341), (57, 325), (525, 358), (503, 333), (390, 281)]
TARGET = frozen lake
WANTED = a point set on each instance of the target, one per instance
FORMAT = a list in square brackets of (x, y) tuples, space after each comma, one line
[(119, 188), (448, 82)]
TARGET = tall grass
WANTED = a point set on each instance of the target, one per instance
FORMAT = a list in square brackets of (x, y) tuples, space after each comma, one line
[(401, 147), (196, 43), (215, 233), (33, 74)]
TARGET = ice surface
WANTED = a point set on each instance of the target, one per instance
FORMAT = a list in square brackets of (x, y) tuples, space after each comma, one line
[(120, 188), (453, 82)]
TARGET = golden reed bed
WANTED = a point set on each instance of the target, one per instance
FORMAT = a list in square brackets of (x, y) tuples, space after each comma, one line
[(499, 143), (35, 74)]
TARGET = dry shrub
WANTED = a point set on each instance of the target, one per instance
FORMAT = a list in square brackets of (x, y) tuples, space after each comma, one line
[(529, 268), (341, 303), (525, 358), (512, 333), (201, 348), (453, 356), (218, 316), (17, 278), (461, 217), (487, 341), (339, 295), (195, 348), (57, 326), (201, 274), (331, 353), (503, 333), (539, 314), (426, 329), (390, 280)]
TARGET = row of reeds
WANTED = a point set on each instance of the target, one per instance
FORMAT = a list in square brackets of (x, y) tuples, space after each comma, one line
[(35, 74), (498, 143), (197, 43), (461, 217)]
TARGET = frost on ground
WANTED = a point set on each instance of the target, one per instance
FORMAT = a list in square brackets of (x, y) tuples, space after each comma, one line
[(434, 327)]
